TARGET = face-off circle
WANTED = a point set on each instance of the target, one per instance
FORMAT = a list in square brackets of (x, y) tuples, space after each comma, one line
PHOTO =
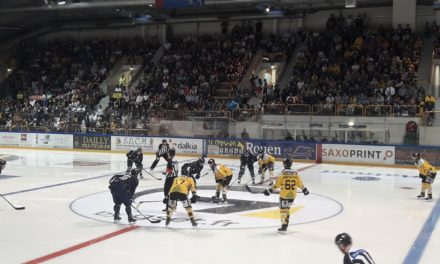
[(243, 210)]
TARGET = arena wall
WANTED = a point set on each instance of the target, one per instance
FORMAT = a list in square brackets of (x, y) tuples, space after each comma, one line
[(350, 154)]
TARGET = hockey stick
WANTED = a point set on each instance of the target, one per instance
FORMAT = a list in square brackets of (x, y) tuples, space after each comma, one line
[(254, 189), (149, 173), (229, 186), (258, 189), (141, 202), (138, 204), (147, 218), (15, 207), (206, 173)]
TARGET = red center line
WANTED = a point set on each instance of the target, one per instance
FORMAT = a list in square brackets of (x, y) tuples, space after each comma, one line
[(81, 245)]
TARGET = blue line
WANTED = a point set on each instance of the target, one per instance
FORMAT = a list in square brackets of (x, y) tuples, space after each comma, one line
[(70, 182), (419, 245), (57, 184)]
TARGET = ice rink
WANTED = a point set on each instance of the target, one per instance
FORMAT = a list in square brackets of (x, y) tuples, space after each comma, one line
[(68, 215)]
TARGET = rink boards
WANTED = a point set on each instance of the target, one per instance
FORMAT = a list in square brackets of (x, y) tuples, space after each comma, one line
[(351, 154)]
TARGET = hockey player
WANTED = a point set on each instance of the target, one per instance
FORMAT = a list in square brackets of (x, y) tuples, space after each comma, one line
[(179, 191), (172, 171), (344, 242), (223, 177), (247, 159), (427, 173), (287, 182), (137, 157), (122, 188), (265, 162), (193, 169), (2, 165), (162, 151)]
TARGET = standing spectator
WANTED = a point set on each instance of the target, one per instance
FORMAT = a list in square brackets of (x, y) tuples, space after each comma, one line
[(244, 134)]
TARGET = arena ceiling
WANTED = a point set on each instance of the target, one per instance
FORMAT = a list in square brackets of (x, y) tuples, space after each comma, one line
[(18, 17)]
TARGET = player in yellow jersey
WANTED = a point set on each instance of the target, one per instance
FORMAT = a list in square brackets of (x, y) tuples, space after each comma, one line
[(223, 177), (179, 191), (265, 162), (288, 183), (427, 172)]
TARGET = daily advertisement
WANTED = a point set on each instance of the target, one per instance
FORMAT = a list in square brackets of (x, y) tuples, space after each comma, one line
[(53, 141), (404, 155), (95, 142), (11, 139), (278, 149), (150, 144), (358, 153)]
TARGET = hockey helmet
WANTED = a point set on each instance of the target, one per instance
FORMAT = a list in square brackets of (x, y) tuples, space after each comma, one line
[(2, 164), (139, 150), (164, 141), (261, 151), (201, 161), (211, 162), (416, 155), (134, 172), (246, 152), (287, 163), (343, 239)]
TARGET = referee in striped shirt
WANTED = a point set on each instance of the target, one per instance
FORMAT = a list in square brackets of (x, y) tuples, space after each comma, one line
[(162, 151), (352, 256)]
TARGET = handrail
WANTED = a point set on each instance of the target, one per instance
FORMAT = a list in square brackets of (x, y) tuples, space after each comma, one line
[(342, 110), (378, 110)]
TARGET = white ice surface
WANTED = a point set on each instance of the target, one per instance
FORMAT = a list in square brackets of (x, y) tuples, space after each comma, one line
[(380, 215)]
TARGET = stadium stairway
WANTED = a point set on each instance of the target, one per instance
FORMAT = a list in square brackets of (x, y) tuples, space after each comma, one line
[(244, 83), (104, 102), (287, 72), (156, 58), (425, 65)]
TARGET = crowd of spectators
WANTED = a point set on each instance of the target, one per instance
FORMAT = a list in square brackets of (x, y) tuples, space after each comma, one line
[(187, 76), (349, 63), (57, 83)]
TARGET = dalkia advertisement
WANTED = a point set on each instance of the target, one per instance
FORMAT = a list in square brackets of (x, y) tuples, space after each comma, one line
[(96, 142), (358, 153), (150, 144)]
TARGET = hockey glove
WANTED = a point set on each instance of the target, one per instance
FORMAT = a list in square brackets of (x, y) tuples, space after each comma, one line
[(267, 192), (194, 199), (165, 200), (305, 191)]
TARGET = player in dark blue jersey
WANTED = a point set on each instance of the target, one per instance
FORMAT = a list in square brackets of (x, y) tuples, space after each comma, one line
[(2, 165), (122, 188)]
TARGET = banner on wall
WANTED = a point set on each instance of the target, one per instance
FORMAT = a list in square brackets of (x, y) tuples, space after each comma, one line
[(10, 139), (96, 142), (404, 155), (150, 144), (278, 149), (358, 153), (53, 141)]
